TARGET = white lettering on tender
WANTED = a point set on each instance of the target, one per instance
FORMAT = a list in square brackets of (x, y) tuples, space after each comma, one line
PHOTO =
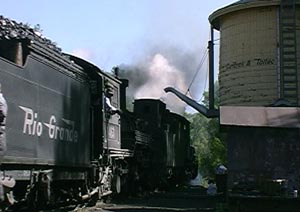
[(34, 127)]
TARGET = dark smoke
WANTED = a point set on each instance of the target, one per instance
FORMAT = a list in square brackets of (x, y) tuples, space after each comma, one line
[(165, 67)]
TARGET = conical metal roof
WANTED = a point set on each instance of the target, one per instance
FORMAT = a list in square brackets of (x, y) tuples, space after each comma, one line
[(214, 18), (248, 1)]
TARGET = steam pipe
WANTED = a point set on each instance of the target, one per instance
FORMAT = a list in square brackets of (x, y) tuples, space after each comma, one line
[(209, 113), (211, 86), (90, 194)]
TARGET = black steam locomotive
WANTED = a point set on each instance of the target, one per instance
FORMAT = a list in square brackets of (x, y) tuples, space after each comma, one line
[(69, 135)]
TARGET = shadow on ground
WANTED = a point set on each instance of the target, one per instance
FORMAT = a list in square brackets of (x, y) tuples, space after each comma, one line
[(181, 199)]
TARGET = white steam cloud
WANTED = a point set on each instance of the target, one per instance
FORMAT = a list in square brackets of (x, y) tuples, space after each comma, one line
[(161, 74)]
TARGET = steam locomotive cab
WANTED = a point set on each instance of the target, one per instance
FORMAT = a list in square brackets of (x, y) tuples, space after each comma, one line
[(109, 158)]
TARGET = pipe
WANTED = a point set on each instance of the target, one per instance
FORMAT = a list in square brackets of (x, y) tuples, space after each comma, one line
[(19, 54), (211, 85), (209, 113), (90, 194)]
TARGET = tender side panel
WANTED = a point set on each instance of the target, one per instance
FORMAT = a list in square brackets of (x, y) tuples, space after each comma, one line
[(48, 115)]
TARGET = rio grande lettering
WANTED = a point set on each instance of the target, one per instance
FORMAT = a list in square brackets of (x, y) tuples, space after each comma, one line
[(34, 127)]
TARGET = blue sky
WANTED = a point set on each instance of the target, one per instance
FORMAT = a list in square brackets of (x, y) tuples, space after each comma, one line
[(117, 31), (114, 32)]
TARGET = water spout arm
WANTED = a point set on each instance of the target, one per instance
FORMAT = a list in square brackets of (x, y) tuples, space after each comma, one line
[(209, 113)]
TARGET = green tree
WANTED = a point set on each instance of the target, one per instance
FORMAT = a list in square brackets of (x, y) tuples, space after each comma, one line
[(206, 137)]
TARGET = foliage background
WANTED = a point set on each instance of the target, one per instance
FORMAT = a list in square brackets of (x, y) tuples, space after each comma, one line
[(208, 140)]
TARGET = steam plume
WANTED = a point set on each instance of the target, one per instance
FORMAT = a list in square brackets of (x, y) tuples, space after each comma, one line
[(147, 79)]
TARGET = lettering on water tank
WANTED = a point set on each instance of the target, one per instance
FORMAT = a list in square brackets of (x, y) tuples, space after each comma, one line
[(248, 63)]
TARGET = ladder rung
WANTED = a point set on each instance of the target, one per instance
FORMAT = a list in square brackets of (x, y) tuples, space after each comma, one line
[(290, 82), (289, 72), (287, 8), (289, 5), (289, 38), (287, 14), (291, 90), (289, 46), (288, 53), (289, 42), (288, 24), (289, 78), (290, 67), (290, 86), (288, 31), (288, 50), (291, 96), (289, 59), (289, 34)]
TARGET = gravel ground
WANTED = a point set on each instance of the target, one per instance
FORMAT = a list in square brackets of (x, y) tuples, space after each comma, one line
[(184, 200)]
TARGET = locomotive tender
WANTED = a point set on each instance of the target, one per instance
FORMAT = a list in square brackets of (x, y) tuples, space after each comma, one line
[(67, 137)]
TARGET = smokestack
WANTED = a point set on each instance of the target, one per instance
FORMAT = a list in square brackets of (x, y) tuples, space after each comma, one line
[(116, 71), (124, 85), (19, 54)]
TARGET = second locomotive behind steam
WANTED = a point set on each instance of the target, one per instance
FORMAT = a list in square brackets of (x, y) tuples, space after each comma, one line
[(69, 135), (171, 159)]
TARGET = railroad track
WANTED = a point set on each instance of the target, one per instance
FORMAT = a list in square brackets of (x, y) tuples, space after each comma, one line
[(188, 199), (182, 200)]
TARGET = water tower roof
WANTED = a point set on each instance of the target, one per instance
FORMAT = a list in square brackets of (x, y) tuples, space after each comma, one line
[(214, 18)]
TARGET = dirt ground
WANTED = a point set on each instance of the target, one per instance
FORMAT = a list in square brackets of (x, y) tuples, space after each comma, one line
[(188, 199)]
